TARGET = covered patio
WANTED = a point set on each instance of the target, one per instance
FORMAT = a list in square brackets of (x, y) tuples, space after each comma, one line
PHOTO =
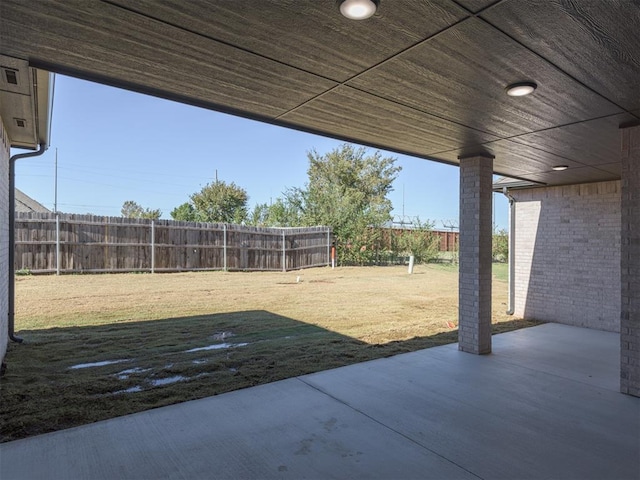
[(427, 78), (543, 92), (545, 405)]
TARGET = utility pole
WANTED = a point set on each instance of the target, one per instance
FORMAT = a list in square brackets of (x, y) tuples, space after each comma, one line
[(55, 187)]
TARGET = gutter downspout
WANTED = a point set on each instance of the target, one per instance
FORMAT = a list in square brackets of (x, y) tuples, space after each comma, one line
[(12, 237), (511, 255)]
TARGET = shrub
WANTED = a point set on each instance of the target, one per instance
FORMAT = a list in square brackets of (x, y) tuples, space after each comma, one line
[(500, 246), (423, 244)]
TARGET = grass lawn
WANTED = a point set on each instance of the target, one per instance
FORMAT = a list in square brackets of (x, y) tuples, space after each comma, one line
[(501, 272), (100, 346)]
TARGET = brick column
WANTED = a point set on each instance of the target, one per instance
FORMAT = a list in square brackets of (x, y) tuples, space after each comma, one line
[(474, 298), (630, 262)]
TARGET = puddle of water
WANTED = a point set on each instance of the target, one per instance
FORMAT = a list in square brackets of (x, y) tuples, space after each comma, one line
[(150, 382), (157, 382), (153, 382), (217, 346), (135, 389), (199, 361), (125, 374), (97, 364)]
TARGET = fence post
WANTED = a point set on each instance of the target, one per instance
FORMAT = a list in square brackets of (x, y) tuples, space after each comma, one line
[(57, 243), (224, 246), (153, 246), (284, 252), (328, 247)]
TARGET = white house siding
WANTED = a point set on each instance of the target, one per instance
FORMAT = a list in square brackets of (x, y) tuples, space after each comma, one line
[(567, 254)]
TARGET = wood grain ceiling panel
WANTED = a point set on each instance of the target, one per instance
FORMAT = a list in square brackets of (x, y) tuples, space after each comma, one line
[(461, 76), (574, 175), (614, 168), (593, 143), (128, 49), (514, 159), (476, 5), (310, 35), (348, 113), (443, 97), (595, 41)]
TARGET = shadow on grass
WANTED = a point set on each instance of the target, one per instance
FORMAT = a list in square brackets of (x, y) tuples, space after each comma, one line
[(65, 377)]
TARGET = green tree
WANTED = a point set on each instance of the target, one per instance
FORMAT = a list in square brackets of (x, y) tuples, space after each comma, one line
[(347, 190), (221, 202), (259, 216), (284, 213), (218, 201), (184, 212), (500, 246), (281, 213), (131, 209), (419, 241)]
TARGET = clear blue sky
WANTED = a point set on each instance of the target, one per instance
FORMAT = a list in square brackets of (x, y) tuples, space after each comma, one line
[(114, 145)]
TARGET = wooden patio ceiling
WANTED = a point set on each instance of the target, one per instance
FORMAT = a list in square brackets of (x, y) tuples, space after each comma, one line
[(421, 77)]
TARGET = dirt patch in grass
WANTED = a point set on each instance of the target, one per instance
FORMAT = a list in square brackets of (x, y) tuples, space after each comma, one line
[(100, 346)]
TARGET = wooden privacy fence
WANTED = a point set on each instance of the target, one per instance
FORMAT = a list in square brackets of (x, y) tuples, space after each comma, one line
[(67, 243), (448, 240)]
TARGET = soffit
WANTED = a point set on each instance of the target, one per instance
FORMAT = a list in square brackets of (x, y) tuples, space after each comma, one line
[(17, 105), (532, 156), (461, 75), (421, 77), (476, 5), (307, 34), (98, 40), (568, 141), (350, 112), (596, 42)]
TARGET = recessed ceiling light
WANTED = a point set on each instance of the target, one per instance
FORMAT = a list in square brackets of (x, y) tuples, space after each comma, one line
[(521, 89), (559, 168), (358, 9)]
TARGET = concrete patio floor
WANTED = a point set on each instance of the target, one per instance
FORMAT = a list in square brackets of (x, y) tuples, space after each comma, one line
[(545, 404)]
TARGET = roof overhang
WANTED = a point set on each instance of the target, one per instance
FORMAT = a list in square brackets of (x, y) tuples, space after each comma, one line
[(421, 77), (26, 103), (513, 184)]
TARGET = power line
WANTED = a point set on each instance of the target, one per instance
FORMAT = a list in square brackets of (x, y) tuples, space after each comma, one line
[(98, 169)]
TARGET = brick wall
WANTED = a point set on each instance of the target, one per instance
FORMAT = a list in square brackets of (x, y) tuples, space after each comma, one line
[(630, 263), (4, 238), (567, 254)]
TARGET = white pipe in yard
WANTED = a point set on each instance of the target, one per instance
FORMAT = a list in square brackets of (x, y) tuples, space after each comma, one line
[(411, 260)]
